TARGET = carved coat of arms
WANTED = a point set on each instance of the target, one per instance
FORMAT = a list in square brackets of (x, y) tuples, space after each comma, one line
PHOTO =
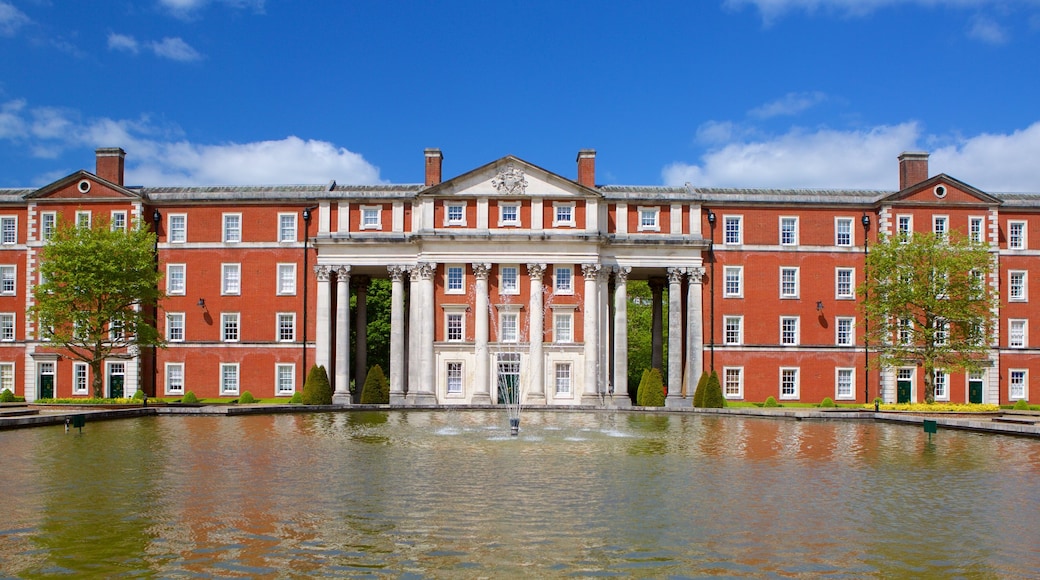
[(510, 181)]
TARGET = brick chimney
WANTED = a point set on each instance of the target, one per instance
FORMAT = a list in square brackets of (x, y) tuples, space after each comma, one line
[(587, 167), (433, 166), (110, 164), (913, 168)]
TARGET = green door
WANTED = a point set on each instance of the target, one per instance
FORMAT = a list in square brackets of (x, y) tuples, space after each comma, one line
[(975, 391), (115, 380), (903, 391), (46, 386)]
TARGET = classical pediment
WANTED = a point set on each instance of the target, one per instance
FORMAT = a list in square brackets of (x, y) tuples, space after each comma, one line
[(84, 186), (510, 177), (941, 190)]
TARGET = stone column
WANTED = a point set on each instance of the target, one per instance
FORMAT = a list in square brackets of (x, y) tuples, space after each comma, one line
[(360, 333), (656, 323), (482, 374), (397, 351), (621, 398), (414, 329), (341, 383), (322, 339), (426, 393), (536, 328), (675, 339), (591, 331), (694, 328)]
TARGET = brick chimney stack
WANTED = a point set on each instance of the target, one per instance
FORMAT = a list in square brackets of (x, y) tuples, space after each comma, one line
[(110, 164), (913, 168), (587, 167), (433, 166)]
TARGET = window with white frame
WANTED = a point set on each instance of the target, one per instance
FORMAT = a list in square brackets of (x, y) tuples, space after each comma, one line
[(732, 228), (789, 383), (80, 374), (844, 379), (733, 382), (940, 226), (455, 214), (48, 223), (284, 379), (115, 329), (788, 330), (8, 230), (975, 228), (563, 327), (286, 227), (453, 376), (510, 280), (734, 281), (8, 280), (229, 378), (904, 227), (733, 330), (1017, 235), (7, 326), (788, 282), (649, 219), (563, 279), (178, 228), (843, 284), (371, 217), (942, 332), (232, 228), (1017, 384), (563, 214), (7, 377), (455, 279), (118, 221), (906, 331), (286, 326), (1017, 333), (563, 378), (508, 213), (286, 279), (1017, 286), (941, 382), (978, 284), (174, 378), (788, 231), (843, 330), (229, 327), (455, 325), (175, 326), (509, 323), (175, 279), (843, 231), (83, 218), (231, 279)]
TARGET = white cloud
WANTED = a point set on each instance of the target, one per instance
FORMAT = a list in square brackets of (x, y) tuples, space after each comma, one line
[(175, 49), (864, 159), (122, 42), (159, 155), (186, 9), (772, 10), (987, 30), (11, 19), (791, 104)]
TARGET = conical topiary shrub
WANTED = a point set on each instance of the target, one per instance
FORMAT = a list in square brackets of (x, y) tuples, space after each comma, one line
[(713, 398), (1021, 405), (7, 396), (698, 394), (296, 398), (640, 389), (770, 402), (651, 389), (189, 397), (246, 398), (377, 389), (317, 390), (827, 402)]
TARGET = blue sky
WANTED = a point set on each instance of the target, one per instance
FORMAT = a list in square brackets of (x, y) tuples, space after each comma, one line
[(742, 93)]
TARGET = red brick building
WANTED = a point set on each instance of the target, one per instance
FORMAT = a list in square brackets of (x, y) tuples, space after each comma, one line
[(760, 284)]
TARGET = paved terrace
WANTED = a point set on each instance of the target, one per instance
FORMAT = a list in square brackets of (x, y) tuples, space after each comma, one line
[(1022, 423)]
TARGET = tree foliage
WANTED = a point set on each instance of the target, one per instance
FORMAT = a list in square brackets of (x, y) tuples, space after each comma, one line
[(928, 303), (99, 288), (316, 389), (377, 389), (651, 389)]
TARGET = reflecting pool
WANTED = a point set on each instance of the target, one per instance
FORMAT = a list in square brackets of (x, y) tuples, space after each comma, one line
[(441, 494)]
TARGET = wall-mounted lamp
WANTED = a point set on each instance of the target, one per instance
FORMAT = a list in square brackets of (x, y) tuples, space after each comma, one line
[(156, 216), (711, 217), (202, 303), (865, 220), (819, 305)]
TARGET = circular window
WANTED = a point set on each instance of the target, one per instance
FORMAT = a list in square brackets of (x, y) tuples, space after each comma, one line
[(84, 186), (940, 191)]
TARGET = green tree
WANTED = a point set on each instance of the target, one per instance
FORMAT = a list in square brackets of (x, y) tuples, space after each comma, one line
[(377, 389), (316, 389), (651, 389), (99, 289), (713, 398), (698, 393), (928, 304)]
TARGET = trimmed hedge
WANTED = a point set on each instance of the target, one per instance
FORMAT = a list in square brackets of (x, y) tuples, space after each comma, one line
[(7, 396), (827, 402), (770, 402), (296, 398), (1021, 405), (317, 390), (651, 389), (377, 389), (246, 398), (698, 394), (713, 398), (189, 397)]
